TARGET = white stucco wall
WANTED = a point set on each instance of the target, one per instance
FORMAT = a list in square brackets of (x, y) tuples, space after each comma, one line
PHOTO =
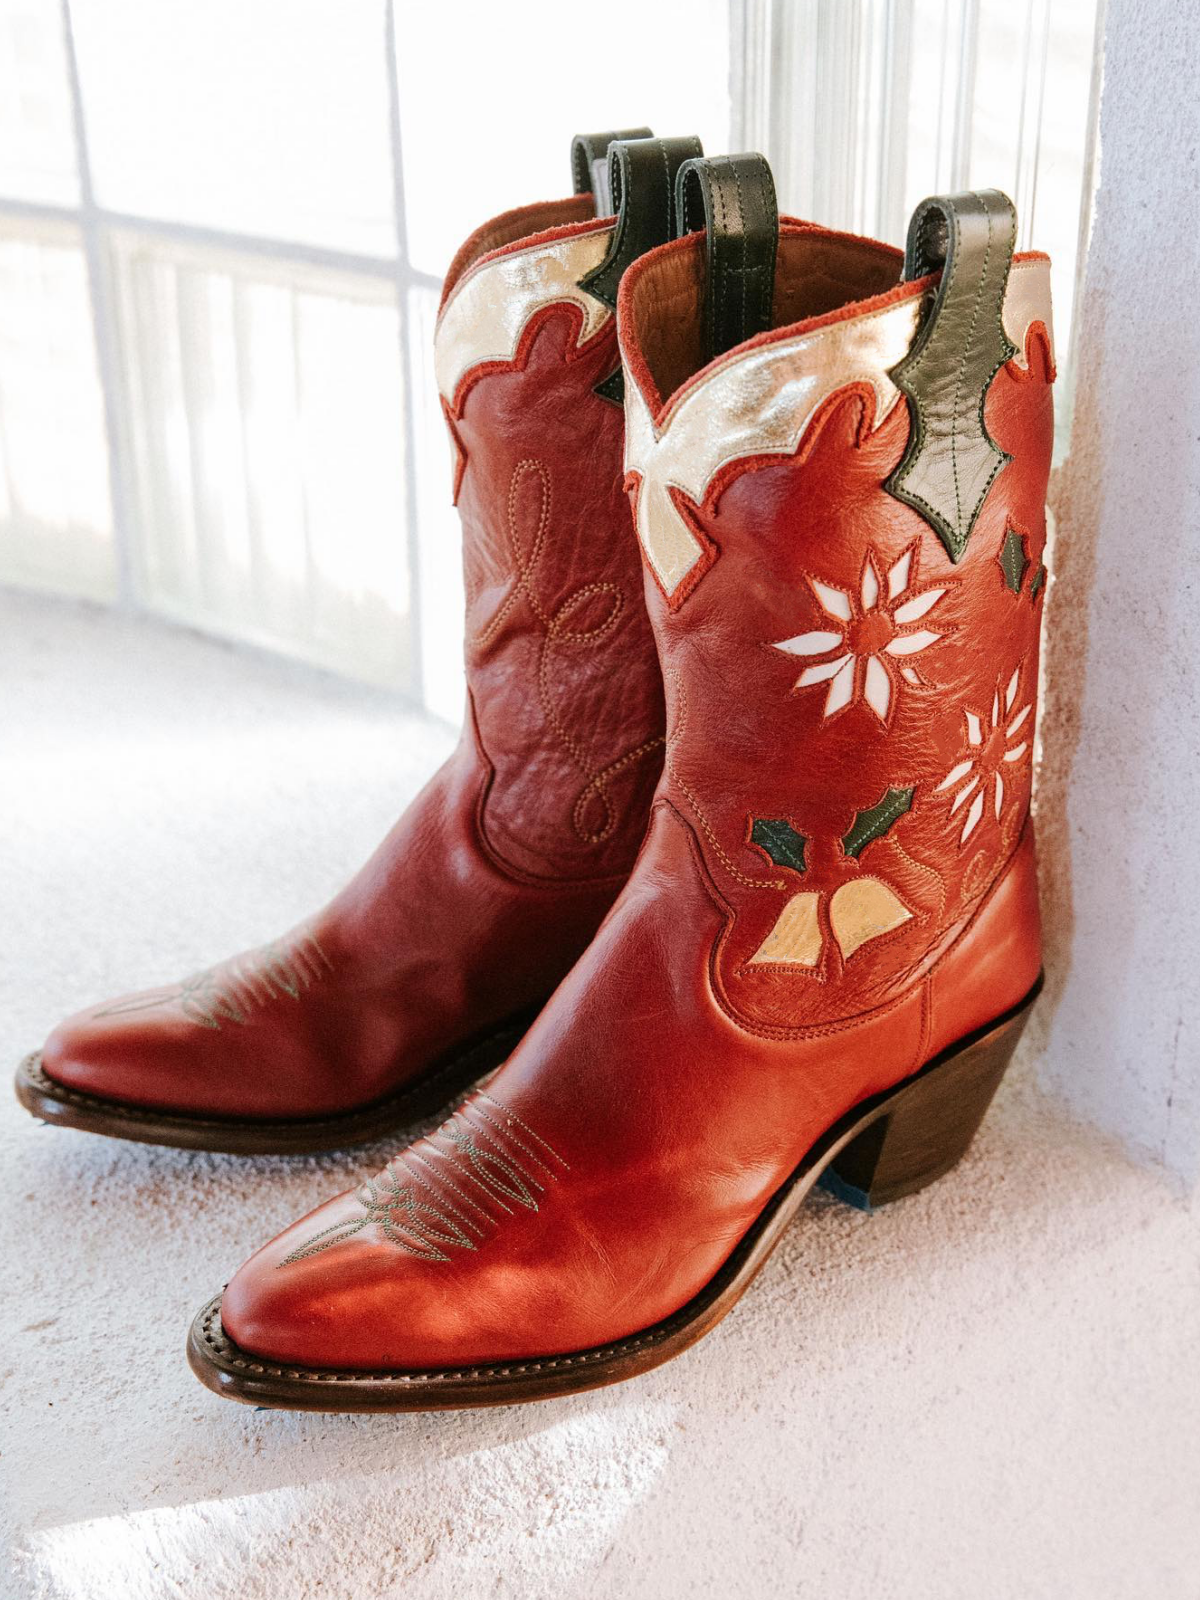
[(1119, 812)]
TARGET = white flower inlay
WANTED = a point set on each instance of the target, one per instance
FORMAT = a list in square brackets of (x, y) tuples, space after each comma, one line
[(875, 633), (1003, 741)]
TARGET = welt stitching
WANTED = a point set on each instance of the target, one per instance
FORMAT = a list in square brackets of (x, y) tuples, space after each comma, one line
[(417, 1379)]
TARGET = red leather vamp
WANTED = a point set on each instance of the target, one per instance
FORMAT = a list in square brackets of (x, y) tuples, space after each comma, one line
[(604, 1176)]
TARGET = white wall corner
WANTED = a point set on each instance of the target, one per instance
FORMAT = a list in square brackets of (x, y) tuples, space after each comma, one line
[(1119, 801)]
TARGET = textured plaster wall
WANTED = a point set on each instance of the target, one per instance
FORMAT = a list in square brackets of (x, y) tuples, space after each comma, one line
[(1119, 818)]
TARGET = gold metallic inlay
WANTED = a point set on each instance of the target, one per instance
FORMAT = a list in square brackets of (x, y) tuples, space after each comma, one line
[(864, 910), (795, 940)]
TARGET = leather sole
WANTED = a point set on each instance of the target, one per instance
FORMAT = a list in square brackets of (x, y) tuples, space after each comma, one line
[(885, 1148), (427, 1095)]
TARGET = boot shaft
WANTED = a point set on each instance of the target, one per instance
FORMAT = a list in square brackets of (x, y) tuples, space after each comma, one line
[(843, 521), (564, 690)]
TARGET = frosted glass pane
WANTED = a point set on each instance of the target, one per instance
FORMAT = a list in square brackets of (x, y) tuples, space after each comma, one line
[(1029, 131), (439, 537), (266, 435), (245, 115), (55, 519), (37, 141), (491, 94)]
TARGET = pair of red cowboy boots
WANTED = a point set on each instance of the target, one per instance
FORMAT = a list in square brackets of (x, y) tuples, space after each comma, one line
[(733, 866)]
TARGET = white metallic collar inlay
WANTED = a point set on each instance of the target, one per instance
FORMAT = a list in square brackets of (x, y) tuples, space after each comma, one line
[(488, 311)]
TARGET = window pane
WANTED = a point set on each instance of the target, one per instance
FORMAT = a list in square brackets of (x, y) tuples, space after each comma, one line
[(55, 520), (37, 141), (488, 125), (242, 115), (266, 436), (439, 546)]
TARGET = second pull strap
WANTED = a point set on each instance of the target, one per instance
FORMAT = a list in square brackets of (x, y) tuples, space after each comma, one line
[(641, 174), (589, 157), (733, 199)]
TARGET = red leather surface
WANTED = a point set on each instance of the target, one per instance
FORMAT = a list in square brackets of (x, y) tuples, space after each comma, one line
[(564, 679), (736, 732), (498, 874), (669, 1087)]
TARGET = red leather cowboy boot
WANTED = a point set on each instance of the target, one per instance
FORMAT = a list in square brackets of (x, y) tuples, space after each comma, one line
[(825, 954), (424, 971)]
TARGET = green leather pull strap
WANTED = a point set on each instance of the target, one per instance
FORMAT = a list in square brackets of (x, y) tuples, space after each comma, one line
[(733, 198), (951, 460), (589, 153), (641, 173)]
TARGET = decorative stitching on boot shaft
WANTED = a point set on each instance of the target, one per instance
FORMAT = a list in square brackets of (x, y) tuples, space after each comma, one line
[(557, 634)]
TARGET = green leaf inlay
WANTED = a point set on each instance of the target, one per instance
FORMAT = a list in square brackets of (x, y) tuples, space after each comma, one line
[(875, 822), (1014, 563), (1039, 578), (784, 847)]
